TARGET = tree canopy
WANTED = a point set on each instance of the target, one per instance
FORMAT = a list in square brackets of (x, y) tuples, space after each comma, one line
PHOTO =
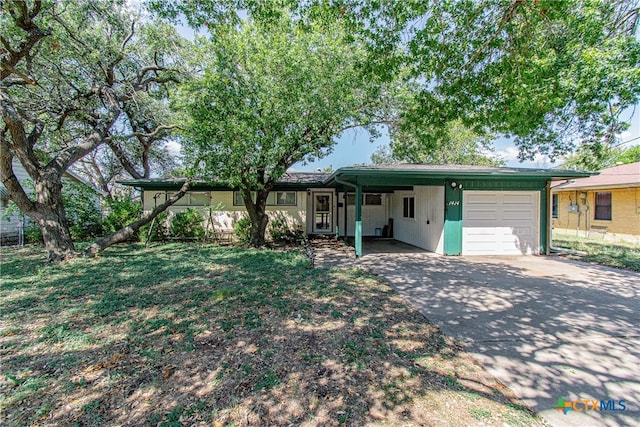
[(272, 93), (460, 146)]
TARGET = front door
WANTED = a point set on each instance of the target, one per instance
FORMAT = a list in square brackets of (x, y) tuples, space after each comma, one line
[(322, 212)]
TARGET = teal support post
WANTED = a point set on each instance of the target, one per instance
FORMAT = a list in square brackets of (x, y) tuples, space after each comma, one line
[(344, 201), (358, 236)]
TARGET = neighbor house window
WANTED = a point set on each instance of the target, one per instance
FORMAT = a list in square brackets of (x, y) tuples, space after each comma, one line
[(408, 207), (554, 206), (603, 206), (275, 198)]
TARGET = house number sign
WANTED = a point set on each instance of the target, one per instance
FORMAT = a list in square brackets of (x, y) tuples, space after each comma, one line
[(454, 202)]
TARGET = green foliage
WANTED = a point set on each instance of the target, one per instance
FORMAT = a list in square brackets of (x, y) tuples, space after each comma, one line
[(84, 214), (242, 229), (616, 254), (552, 74), (122, 211), (602, 157), (161, 228), (459, 145), (187, 225), (33, 234), (630, 155), (273, 92), (281, 231)]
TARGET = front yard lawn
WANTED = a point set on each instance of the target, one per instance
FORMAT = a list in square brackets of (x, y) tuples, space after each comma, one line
[(600, 251), (194, 334)]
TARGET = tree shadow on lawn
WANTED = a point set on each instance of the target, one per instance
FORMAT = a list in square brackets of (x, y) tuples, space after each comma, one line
[(183, 334)]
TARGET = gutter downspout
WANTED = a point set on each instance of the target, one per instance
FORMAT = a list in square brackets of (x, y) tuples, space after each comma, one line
[(358, 230)]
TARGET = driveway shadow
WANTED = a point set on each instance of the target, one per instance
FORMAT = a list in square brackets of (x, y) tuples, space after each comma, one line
[(548, 328)]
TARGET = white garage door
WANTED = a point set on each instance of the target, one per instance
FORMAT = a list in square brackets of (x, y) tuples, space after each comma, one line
[(500, 222)]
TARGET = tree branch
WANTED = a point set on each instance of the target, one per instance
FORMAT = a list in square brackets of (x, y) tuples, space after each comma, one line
[(126, 233)]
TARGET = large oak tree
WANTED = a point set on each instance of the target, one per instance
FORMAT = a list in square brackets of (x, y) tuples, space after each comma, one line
[(73, 78)]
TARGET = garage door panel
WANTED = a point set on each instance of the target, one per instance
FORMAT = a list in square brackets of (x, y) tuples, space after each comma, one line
[(507, 227), (516, 216), (518, 199), (483, 198)]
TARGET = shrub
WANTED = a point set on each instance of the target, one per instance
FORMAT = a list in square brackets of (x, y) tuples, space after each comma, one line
[(280, 230), (82, 207), (242, 229), (188, 225), (33, 234), (160, 229), (122, 212)]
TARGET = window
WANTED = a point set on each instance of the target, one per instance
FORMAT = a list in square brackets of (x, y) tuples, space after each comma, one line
[(238, 200), (603, 206), (370, 199), (275, 198), (554, 206), (183, 201), (285, 198), (200, 198), (408, 207), (373, 199)]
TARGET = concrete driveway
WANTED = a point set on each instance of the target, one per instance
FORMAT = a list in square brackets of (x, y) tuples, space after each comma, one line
[(546, 327)]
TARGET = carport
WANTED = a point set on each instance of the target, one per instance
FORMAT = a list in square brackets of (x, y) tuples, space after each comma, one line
[(456, 209)]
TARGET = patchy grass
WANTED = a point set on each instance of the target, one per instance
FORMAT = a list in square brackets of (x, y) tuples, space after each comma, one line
[(194, 334), (614, 254)]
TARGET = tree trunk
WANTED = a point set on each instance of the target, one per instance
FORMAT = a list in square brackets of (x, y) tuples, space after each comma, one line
[(259, 217), (127, 232), (52, 220)]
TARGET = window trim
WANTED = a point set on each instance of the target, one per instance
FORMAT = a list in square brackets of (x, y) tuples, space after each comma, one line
[(409, 207), (185, 201), (351, 199), (609, 206), (272, 198)]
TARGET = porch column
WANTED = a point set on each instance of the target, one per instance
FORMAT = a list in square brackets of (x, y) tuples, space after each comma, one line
[(358, 234), (335, 212)]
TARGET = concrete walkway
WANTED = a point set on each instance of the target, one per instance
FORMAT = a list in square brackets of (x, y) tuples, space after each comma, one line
[(547, 328)]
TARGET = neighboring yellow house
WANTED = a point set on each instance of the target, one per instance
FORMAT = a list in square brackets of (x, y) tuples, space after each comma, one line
[(605, 205)]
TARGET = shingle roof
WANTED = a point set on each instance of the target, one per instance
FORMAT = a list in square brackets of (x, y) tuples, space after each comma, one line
[(618, 176)]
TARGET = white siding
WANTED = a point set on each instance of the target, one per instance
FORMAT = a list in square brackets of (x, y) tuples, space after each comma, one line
[(10, 226), (426, 229), (373, 216), (500, 222)]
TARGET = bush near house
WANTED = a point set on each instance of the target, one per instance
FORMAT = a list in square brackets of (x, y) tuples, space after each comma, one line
[(188, 225)]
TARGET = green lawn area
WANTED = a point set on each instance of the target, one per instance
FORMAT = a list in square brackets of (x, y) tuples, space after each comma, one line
[(601, 251), (196, 334)]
